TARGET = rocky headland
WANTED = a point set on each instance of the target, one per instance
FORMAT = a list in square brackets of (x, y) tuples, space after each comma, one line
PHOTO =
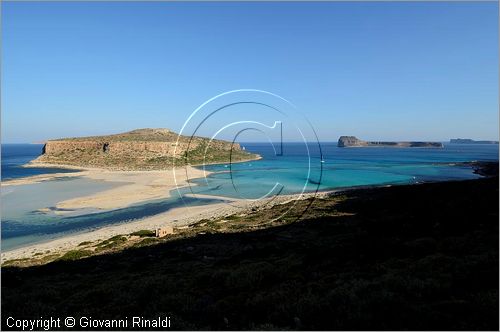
[(141, 149), (470, 141), (353, 141)]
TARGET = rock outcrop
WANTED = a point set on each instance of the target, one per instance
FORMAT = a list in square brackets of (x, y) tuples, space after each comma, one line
[(470, 141), (353, 141), (349, 141), (141, 149)]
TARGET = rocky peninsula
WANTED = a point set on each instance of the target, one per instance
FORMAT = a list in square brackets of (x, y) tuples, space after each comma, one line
[(353, 141), (470, 141), (141, 149)]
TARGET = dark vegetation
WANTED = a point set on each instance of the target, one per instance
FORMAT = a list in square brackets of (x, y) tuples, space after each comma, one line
[(144, 233), (485, 168), (404, 257), (75, 254)]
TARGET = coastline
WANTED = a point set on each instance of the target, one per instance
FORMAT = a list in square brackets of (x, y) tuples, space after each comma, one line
[(180, 218), (140, 186), (357, 245), (137, 186), (38, 164), (177, 218)]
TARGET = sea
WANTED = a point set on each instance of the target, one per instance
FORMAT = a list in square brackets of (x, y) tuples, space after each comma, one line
[(28, 213)]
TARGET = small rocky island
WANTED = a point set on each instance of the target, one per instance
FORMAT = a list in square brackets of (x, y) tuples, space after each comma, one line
[(353, 141), (470, 141), (141, 149)]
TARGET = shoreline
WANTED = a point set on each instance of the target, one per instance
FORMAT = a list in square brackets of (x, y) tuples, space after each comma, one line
[(136, 186), (84, 171), (35, 164), (180, 217), (177, 217), (347, 252)]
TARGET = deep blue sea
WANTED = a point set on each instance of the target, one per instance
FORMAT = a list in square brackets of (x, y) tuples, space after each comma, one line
[(299, 168), (15, 155)]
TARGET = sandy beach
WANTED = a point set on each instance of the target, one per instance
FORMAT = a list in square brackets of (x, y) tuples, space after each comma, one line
[(177, 218), (135, 187)]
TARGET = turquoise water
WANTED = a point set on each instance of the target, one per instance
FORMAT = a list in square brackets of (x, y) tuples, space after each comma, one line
[(294, 171), (342, 167)]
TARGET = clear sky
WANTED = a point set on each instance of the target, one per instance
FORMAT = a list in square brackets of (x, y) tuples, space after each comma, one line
[(388, 71)]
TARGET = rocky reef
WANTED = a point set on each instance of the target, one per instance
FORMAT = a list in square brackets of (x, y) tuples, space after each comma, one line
[(141, 149), (353, 141)]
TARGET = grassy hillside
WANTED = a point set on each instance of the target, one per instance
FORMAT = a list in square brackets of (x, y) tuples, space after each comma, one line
[(405, 257)]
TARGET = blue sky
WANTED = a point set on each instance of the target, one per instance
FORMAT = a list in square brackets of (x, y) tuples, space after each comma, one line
[(388, 71)]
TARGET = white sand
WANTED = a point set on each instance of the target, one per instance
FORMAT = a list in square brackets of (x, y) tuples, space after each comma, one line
[(177, 217), (138, 186), (141, 186)]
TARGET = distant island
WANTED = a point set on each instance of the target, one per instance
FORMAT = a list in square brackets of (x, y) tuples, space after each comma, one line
[(353, 141), (140, 149), (470, 141)]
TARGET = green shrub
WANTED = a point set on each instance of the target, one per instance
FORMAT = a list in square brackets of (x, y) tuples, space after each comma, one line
[(75, 254), (118, 238), (144, 233), (112, 242), (103, 243)]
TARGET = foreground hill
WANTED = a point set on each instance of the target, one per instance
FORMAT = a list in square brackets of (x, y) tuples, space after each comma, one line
[(415, 257), (141, 149)]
